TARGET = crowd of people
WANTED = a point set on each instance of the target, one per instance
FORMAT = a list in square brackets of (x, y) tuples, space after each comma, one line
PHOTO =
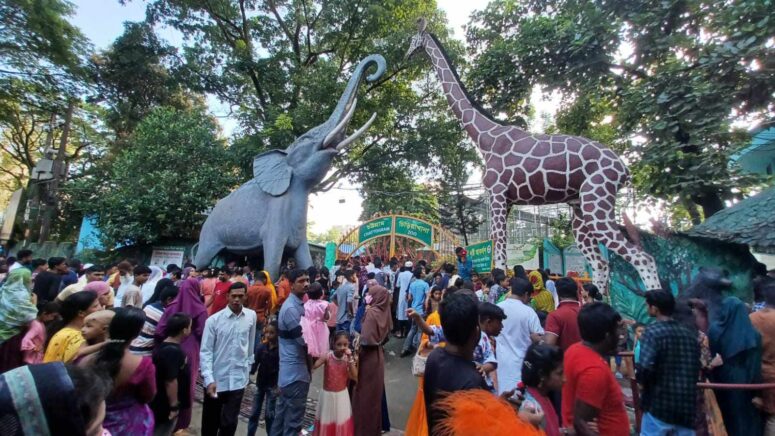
[(517, 352)]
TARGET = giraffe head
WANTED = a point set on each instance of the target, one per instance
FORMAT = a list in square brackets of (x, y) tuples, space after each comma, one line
[(419, 40)]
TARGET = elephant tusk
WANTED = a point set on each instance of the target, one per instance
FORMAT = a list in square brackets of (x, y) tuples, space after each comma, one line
[(357, 133), (342, 124)]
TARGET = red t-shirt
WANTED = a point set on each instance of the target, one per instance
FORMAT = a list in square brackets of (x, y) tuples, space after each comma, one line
[(563, 322), (588, 378), (220, 296)]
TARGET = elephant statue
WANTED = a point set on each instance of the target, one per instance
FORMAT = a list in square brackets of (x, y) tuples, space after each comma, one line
[(270, 210)]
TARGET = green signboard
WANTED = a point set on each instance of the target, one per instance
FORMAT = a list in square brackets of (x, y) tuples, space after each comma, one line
[(416, 229), (481, 256), (330, 254), (375, 228)]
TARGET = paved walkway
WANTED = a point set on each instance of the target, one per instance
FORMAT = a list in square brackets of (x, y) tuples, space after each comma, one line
[(401, 388)]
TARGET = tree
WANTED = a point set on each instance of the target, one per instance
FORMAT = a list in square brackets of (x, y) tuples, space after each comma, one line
[(457, 211), (33, 32), (163, 184), (333, 234), (677, 74), (281, 64), (134, 76), (388, 195), (33, 123)]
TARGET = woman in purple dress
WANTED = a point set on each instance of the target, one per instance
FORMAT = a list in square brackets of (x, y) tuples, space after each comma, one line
[(134, 377), (189, 302)]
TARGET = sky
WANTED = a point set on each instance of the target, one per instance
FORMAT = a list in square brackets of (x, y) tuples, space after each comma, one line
[(102, 21)]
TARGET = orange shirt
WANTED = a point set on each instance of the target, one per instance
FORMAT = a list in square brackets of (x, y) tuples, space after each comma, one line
[(764, 322), (283, 291), (260, 300)]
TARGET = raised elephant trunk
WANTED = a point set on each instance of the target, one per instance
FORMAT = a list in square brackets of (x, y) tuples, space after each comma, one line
[(343, 112)]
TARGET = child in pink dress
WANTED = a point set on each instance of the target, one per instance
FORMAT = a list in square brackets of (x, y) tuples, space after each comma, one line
[(34, 341), (314, 328), (334, 416)]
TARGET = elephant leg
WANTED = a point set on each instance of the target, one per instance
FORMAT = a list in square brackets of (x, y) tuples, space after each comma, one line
[(206, 252), (273, 257), (303, 256)]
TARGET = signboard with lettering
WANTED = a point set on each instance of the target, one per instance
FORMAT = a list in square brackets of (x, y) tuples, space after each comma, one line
[(481, 256), (163, 256), (416, 229), (375, 228)]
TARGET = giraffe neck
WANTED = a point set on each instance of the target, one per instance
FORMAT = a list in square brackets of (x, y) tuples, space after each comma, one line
[(457, 96)]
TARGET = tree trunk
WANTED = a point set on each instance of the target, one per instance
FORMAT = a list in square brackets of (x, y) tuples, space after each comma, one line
[(461, 216), (53, 189), (691, 209), (710, 203)]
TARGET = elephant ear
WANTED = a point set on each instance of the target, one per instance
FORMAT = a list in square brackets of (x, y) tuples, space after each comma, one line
[(271, 172)]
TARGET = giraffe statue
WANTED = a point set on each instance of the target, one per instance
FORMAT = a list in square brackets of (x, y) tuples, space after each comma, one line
[(536, 169)]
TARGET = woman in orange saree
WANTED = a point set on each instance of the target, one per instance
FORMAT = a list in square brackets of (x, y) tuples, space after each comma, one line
[(417, 424)]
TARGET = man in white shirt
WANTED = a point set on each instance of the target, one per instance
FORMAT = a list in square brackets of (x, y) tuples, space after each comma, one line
[(24, 257), (404, 279), (226, 357), (520, 329)]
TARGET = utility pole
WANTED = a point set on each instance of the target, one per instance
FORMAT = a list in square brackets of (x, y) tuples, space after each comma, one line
[(35, 189), (50, 200)]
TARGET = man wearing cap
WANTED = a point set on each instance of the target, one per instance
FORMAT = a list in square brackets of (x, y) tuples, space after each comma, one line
[(404, 279), (465, 266)]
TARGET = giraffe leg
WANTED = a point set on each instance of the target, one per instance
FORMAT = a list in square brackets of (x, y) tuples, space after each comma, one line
[(598, 210), (587, 243), (498, 214)]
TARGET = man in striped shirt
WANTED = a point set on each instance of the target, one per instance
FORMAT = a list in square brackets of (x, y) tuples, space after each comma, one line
[(144, 343)]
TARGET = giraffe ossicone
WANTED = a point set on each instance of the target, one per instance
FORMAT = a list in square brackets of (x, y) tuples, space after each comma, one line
[(536, 169)]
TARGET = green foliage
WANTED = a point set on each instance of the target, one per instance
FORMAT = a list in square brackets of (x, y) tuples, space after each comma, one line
[(36, 31), (133, 76), (661, 82), (387, 194), (561, 230), (333, 234), (283, 64), (161, 185), (457, 211)]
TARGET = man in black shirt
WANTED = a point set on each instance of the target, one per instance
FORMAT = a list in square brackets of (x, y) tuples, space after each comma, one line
[(47, 283), (451, 368), (173, 373)]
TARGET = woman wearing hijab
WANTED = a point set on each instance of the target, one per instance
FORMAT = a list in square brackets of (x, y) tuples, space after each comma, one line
[(367, 412), (160, 285), (102, 289), (149, 287), (52, 399), (542, 298), (272, 289), (189, 302), (16, 313), (733, 337)]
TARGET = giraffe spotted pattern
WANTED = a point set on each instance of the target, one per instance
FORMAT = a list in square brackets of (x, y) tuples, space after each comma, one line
[(536, 169)]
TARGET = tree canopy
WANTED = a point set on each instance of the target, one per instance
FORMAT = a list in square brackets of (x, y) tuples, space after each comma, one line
[(668, 84), (174, 170)]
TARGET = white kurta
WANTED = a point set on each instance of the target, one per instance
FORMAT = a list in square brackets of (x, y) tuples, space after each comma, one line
[(404, 279), (513, 342)]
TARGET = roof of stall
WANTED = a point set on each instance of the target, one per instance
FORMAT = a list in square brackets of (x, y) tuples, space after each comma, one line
[(750, 222)]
